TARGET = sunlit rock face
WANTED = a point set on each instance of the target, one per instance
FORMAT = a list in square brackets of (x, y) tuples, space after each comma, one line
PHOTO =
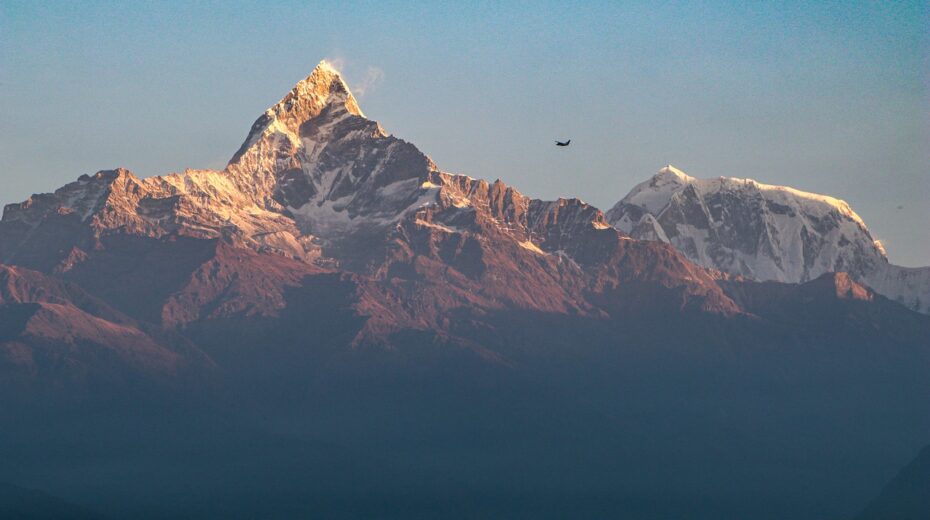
[(55, 332), (764, 232), (316, 187), (332, 284), (322, 213)]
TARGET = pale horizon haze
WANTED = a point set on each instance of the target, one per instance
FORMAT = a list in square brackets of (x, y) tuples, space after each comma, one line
[(827, 97)]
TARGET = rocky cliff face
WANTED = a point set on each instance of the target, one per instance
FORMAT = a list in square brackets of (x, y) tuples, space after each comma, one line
[(319, 197), (333, 287), (764, 232), (317, 183), (57, 333)]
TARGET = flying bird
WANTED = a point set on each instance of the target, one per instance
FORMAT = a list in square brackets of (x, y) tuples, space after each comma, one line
[(566, 143)]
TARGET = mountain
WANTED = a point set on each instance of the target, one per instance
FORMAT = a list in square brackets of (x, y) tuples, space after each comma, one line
[(319, 187), (332, 325), (907, 496), (763, 232), (55, 332)]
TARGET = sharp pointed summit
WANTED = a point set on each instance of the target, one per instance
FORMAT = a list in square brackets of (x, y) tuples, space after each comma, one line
[(323, 90)]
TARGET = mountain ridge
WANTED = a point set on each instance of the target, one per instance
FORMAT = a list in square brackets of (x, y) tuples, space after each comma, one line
[(764, 232), (251, 337), (317, 182), (320, 196)]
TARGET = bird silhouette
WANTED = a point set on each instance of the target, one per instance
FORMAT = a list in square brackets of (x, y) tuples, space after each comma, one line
[(566, 143)]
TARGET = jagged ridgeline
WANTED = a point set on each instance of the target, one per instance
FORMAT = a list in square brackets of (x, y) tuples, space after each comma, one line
[(764, 232), (334, 324)]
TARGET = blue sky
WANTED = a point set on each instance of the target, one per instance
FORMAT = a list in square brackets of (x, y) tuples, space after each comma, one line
[(830, 97)]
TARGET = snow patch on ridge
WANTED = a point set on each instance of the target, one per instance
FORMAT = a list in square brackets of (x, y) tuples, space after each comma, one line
[(529, 245)]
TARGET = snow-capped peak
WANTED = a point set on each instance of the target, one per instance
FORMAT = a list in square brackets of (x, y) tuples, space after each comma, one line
[(323, 90), (654, 194), (323, 86), (670, 171), (763, 232), (325, 65)]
